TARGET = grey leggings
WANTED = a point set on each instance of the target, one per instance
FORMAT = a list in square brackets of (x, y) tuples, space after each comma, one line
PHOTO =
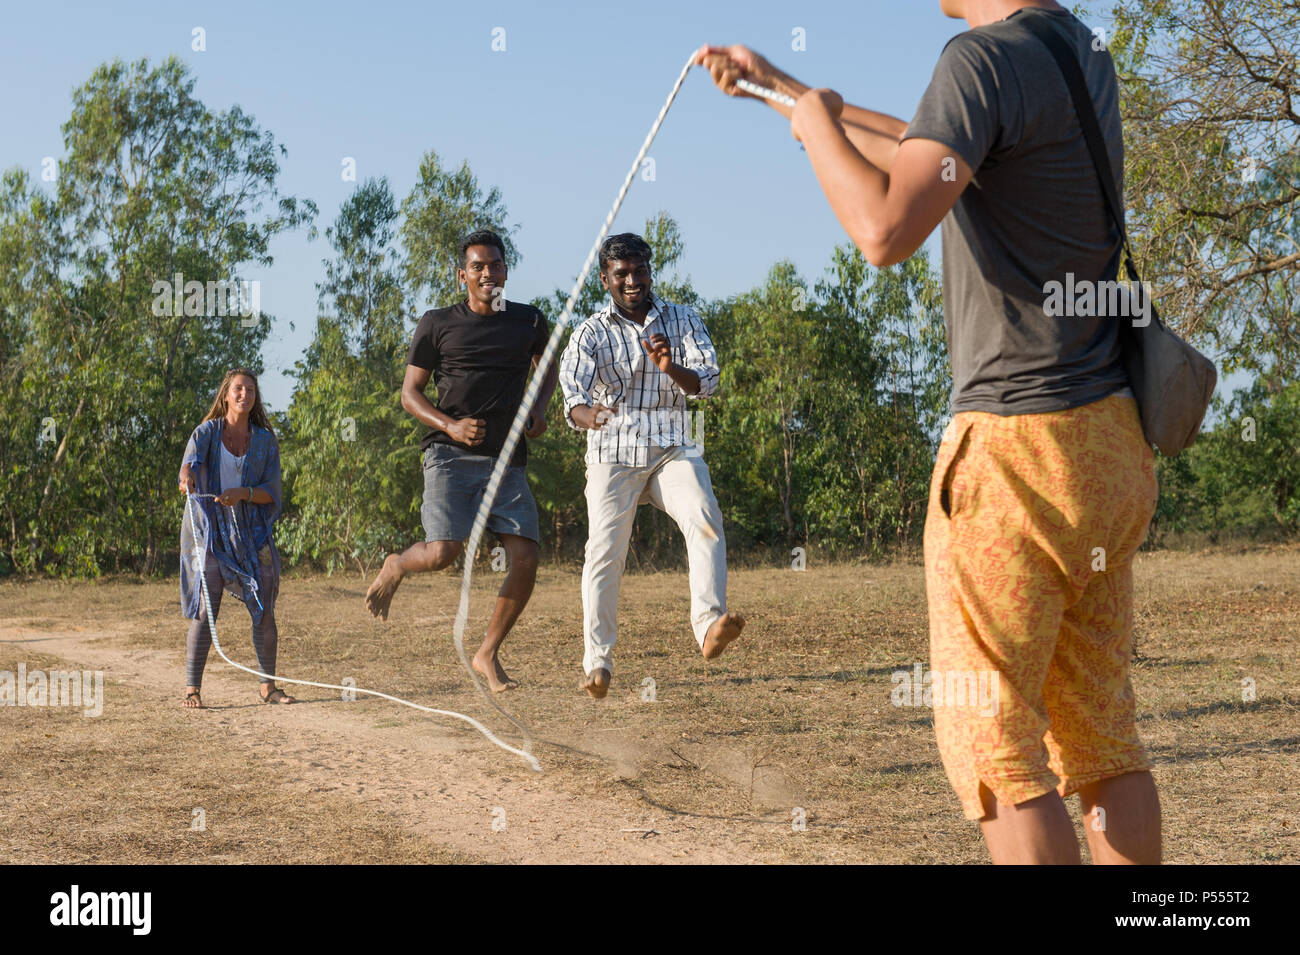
[(199, 639)]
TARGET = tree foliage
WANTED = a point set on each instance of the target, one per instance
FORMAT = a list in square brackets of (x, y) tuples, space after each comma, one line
[(833, 391), (1211, 105), (351, 472), (101, 377), (354, 469)]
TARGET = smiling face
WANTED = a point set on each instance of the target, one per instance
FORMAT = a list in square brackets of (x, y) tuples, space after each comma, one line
[(483, 274), (628, 283), (241, 395)]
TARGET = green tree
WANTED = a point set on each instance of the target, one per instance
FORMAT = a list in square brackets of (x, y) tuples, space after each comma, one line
[(883, 369), (105, 369), (768, 395), (1209, 94), (442, 208), (1258, 449), (351, 472)]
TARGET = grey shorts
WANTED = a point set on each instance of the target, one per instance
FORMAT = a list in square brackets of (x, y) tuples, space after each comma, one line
[(454, 482)]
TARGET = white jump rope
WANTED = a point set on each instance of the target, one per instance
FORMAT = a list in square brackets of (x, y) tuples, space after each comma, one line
[(212, 626), (498, 471)]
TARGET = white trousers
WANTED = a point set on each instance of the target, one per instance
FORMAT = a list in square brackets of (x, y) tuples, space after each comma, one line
[(678, 484)]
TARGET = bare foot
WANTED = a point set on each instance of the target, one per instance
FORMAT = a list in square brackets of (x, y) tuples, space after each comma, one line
[(597, 683), (491, 670), (192, 699), (380, 594), (725, 629)]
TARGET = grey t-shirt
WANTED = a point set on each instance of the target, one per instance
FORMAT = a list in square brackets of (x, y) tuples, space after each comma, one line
[(1033, 213)]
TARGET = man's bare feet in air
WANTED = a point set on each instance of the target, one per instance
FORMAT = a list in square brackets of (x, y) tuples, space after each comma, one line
[(725, 629), (597, 683), (490, 669), (380, 594)]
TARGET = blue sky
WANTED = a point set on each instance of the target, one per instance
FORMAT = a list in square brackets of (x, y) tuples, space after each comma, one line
[(554, 120)]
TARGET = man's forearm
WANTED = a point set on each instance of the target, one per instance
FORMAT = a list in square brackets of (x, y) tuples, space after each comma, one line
[(685, 379), (418, 406), (856, 188), (547, 390), (875, 135)]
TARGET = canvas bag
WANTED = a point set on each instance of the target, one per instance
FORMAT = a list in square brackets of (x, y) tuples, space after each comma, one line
[(1172, 381)]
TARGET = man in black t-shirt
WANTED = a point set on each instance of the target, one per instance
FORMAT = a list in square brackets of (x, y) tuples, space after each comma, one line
[(479, 353)]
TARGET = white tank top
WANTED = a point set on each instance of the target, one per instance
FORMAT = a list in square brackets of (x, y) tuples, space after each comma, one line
[(232, 470)]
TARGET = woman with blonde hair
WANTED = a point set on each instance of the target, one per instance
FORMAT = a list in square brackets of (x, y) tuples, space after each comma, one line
[(232, 467)]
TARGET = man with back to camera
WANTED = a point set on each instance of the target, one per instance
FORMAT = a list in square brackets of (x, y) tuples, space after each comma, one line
[(1044, 464)]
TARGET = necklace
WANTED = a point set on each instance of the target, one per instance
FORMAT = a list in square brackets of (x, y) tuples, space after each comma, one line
[(236, 444)]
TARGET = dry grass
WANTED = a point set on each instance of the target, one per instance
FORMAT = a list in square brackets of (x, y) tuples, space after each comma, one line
[(123, 787), (798, 716)]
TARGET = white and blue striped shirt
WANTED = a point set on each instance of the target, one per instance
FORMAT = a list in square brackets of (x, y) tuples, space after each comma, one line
[(605, 363)]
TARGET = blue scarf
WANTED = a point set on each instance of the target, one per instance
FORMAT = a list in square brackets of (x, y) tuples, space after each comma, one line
[(240, 537)]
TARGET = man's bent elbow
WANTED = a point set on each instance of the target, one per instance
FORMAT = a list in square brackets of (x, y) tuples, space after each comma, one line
[(880, 246), (890, 257), (708, 386)]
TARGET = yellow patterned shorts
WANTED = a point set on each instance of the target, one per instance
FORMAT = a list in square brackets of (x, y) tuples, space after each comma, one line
[(1029, 542)]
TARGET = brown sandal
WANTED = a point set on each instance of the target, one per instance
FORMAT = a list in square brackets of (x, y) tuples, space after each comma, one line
[(285, 698)]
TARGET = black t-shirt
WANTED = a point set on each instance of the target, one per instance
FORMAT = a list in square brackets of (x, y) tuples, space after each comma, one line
[(480, 366)]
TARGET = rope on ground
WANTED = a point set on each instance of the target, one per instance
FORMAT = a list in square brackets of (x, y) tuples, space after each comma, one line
[(199, 566)]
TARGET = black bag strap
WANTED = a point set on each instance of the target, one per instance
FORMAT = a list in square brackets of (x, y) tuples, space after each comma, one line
[(1040, 27)]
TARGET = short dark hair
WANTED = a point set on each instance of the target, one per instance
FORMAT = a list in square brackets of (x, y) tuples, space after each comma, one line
[(627, 246), (481, 237)]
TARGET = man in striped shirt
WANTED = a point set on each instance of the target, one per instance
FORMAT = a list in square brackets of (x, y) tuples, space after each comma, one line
[(627, 375)]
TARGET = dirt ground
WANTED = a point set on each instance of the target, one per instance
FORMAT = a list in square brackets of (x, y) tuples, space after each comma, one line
[(685, 761)]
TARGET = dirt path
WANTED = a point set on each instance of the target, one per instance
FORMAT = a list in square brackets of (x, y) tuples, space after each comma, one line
[(721, 759), (447, 785)]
